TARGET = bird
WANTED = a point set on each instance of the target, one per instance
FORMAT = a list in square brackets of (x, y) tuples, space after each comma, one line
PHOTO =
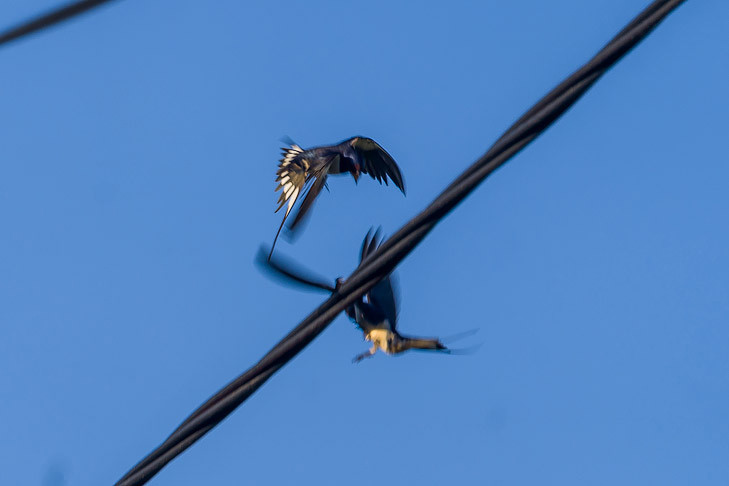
[(306, 170), (375, 314)]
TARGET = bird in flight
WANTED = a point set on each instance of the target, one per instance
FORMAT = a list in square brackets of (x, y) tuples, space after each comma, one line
[(375, 314), (305, 171)]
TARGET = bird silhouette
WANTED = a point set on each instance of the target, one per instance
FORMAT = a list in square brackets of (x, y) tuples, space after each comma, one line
[(305, 171), (375, 314)]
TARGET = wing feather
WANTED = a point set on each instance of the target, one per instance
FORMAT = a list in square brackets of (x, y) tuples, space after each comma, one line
[(292, 272), (382, 295), (377, 162)]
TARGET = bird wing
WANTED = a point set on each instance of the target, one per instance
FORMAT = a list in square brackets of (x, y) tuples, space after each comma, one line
[(382, 295), (369, 244), (291, 271), (376, 162)]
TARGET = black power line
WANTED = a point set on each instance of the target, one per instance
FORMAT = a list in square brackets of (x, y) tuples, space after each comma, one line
[(397, 247), (48, 19)]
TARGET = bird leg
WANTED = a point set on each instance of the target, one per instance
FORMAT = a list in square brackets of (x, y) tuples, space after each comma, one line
[(367, 354)]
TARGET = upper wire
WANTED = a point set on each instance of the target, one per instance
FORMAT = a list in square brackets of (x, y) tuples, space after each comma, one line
[(48, 19), (384, 260)]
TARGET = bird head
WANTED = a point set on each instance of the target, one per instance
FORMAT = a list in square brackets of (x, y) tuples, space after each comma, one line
[(356, 171)]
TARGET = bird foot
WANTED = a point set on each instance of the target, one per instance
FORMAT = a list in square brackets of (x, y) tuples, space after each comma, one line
[(360, 357)]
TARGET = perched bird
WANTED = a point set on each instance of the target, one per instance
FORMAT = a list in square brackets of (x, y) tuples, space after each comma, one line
[(302, 171), (376, 316)]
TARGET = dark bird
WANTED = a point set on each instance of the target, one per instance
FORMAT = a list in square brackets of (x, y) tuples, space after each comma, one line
[(375, 314), (305, 171)]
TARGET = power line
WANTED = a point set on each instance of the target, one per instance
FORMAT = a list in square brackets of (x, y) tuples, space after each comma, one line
[(397, 247), (48, 19)]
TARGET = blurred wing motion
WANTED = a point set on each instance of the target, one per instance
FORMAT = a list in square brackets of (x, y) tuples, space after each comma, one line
[(291, 272), (382, 295), (376, 162)]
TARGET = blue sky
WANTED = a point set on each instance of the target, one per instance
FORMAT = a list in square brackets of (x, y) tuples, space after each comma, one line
[(138, 147)]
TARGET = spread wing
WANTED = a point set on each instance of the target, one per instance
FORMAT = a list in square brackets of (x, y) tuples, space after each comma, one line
[(382, 295), (376, 162), (291, 272)]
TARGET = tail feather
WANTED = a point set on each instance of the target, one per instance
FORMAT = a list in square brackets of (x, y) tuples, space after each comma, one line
[(423, 343), (291, 177), (290, 153)]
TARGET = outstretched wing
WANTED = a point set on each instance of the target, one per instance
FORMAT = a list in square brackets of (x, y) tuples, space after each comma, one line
[(376, 162), (291, 272), (382, 295)]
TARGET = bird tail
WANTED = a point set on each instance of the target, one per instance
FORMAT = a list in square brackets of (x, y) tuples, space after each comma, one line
[(288, 154), (291, 178), (429, 344)]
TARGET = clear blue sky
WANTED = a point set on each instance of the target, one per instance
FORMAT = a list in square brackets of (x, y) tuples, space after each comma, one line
[(138, 146)]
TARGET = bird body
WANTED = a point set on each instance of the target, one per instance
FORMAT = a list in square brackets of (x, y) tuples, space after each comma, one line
[(306, 170), (385, 337)]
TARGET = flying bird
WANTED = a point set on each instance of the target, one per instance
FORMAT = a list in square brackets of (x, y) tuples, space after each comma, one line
[(305, 171), (375, 314)]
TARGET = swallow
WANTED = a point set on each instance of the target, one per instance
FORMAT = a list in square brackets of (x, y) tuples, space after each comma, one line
[(305, 171), (375, 314)]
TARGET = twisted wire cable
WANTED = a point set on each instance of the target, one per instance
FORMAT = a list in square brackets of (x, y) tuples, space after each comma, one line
[(48, 19)]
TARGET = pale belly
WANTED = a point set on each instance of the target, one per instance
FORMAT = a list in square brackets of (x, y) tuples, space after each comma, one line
[(380, 338)]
